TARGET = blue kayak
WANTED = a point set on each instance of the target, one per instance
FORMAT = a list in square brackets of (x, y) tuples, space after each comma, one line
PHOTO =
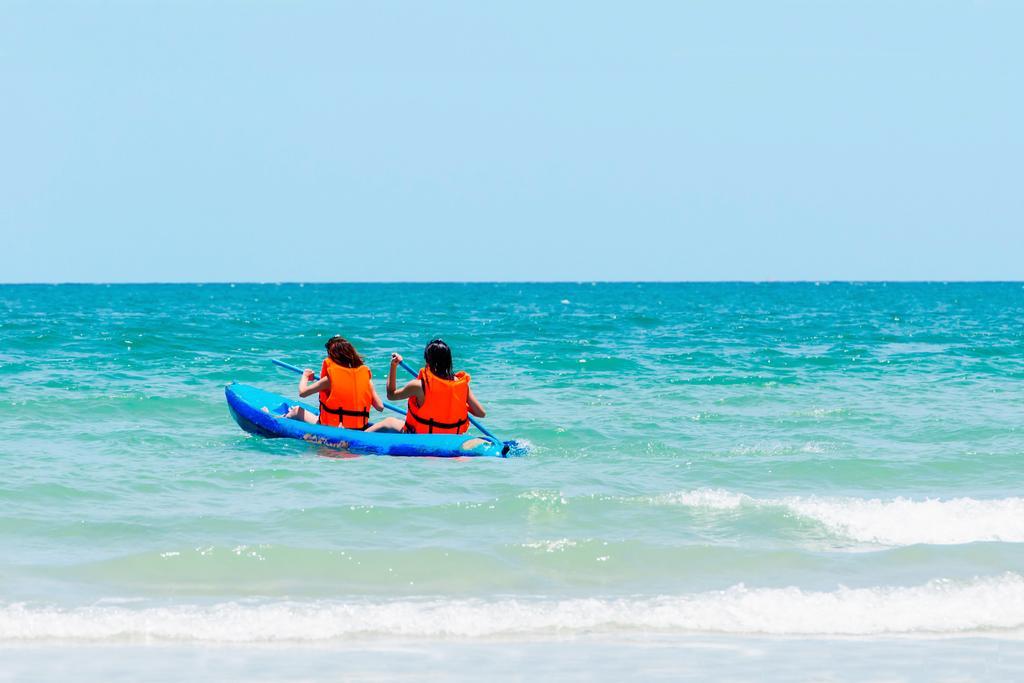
[(259, 412)]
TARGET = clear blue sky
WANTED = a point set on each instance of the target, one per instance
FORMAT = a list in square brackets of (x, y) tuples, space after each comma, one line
[(332, 141)]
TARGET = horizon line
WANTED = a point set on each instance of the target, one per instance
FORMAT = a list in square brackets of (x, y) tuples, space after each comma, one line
[(129, 283)]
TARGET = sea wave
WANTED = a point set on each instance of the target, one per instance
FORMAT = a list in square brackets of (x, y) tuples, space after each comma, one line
[(987, 605), (895, 521)]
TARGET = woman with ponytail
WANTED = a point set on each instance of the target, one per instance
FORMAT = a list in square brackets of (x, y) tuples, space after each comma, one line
[(440, 400)]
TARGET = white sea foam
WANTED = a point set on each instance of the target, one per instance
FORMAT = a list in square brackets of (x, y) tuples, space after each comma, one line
[(992, 605), (896, 521), (714, 499), (556, 545)]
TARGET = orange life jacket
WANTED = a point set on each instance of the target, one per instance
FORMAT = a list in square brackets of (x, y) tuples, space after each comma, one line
[(348, 404), (444, 409)]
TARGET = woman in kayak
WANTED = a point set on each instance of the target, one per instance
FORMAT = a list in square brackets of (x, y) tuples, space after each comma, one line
[(440, 400), (346, 392)]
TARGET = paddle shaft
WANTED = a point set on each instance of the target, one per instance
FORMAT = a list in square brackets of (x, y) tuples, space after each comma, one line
[(289, 366)]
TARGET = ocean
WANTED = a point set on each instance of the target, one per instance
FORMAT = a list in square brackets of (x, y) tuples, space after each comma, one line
[(729, 481)]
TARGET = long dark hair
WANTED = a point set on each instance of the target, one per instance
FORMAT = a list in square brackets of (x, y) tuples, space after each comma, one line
[(439, 359), (342, 352)]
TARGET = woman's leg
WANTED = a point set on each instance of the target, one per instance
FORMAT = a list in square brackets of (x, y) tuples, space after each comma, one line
[(301, 414), (388, 424)]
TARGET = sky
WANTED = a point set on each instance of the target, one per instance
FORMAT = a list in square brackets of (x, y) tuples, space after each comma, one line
[(266, 141)]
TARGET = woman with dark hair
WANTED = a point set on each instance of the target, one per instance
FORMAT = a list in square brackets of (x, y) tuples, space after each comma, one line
[(346, 392), (440, 400)]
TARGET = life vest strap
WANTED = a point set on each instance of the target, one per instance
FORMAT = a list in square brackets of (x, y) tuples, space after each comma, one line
[(343, 412), (431, 424)]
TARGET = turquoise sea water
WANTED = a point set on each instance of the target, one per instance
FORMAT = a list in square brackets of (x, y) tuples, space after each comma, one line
[(724, 479)]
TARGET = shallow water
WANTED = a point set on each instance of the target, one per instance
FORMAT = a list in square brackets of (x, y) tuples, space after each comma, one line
[(709, 463)]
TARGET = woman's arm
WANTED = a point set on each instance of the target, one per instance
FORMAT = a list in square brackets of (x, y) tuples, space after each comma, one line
[(413, 388), (475, 407), (307, 389), (377, 403)]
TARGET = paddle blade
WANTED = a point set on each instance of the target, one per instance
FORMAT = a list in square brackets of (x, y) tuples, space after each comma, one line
[(514, 449)]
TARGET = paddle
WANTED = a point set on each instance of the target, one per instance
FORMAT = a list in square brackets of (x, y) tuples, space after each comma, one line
[(289, 366), (476, 423)]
